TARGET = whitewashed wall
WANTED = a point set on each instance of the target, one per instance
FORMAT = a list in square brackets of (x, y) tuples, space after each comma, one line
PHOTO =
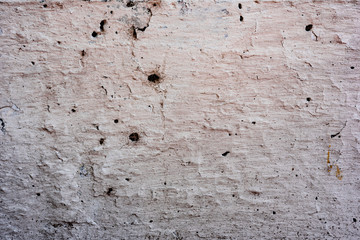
[(249, 127)]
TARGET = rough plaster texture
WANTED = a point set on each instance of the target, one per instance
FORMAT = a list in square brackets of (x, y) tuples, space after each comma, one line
[(251, 131)]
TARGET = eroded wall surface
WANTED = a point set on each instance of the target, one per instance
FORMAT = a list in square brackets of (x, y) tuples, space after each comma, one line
[(179, 119)]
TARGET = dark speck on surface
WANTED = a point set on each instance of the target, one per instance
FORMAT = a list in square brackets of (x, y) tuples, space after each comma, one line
[(225, 153)]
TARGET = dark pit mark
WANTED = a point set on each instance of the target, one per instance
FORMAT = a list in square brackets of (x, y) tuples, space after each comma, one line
[(94, 34), (102, 24), (153, 78), (334, 135), (33, 63), (274, 212), (73, 110), (109, 191), (256, 193), (308, 99), (142, 29), (225, 153), (316, 198), (38, 194), (354, 220), (134, 137), (83, 53), (101, 141), (150, 221), (239, 6), (127, 179), (130, 4), (308, 27), (253, 123), (133, 32), (111, 12), (116, 120), (233, 195), (45, 5), (241, 18), (352, 67)]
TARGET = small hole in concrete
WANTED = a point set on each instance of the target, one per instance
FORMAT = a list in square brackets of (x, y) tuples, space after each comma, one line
[(354, 220), (241, 18), (133, 32), (352, 67), (127, 179), (308, 27), (253, 123), (73, 110), (134, 137), (274, 212), (308, 99), (111, 12), (130, 4), (45, 5), (225, 153), (239, 5), (109, 191), (38, 194), (33, 63), (116, 121), (83, 53), (153, 78), (102, 23), (101, 141), (94, 34)]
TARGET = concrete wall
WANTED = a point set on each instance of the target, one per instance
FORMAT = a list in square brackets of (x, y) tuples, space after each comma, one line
[(179, 119)]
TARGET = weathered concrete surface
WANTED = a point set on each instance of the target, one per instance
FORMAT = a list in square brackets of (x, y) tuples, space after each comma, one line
[(279, 102)]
